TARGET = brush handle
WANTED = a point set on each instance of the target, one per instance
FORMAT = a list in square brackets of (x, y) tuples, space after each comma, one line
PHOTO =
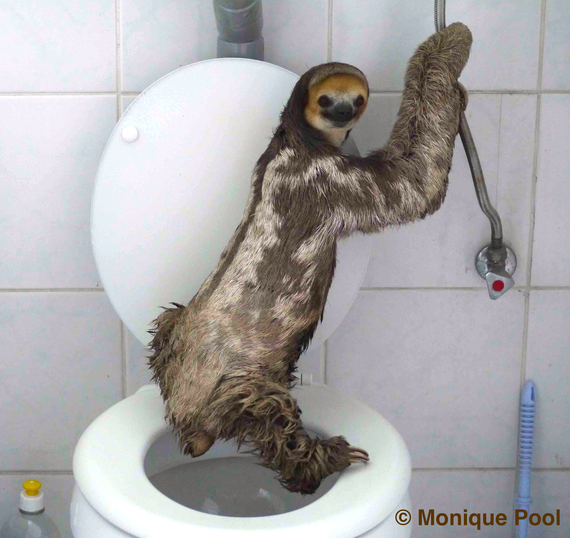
[(526, 441)]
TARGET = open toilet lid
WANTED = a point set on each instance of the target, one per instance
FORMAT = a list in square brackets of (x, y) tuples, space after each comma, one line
[(172, 188)]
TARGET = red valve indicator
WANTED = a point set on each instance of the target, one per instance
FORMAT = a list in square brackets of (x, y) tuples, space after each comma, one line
[(498, 285)]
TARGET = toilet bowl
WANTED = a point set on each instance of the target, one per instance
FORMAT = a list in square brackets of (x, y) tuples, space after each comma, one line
[(170, 189), (114, 495)]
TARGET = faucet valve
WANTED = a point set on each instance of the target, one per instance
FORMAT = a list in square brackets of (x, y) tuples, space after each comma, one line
[(496, 266)]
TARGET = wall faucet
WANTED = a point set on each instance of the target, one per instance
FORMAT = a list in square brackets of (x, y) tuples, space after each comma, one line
[(496, 263)]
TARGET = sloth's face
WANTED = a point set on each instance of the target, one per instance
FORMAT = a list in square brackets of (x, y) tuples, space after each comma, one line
[(336, 104)]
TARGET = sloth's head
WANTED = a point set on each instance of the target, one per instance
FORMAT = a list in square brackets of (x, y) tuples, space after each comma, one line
[(335, 104), (331, 98)]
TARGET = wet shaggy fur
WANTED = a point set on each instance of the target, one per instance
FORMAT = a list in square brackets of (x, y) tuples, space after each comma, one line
[(225, 361)]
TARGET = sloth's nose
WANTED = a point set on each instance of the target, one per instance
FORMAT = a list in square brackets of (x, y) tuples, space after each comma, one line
[(341, 112)]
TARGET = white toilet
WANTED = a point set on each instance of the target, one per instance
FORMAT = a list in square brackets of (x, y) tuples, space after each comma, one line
[(170, 190)]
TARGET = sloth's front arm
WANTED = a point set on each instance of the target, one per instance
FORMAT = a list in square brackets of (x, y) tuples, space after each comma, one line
[(407, 179)]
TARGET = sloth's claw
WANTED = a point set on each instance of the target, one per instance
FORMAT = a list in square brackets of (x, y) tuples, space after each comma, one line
[(357, 455)]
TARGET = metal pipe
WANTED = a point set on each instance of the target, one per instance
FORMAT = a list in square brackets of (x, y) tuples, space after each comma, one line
[(472, 157), (439, 14), (479, 182), (239, 24)]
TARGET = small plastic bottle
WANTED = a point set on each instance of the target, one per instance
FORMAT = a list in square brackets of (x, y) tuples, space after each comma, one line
[(31, 521)]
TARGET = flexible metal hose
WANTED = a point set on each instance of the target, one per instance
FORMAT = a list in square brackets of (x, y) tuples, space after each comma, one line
[(472, 156), (439, 14)]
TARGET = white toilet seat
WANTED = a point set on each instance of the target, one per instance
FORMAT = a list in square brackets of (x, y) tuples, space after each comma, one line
[(173, 183), (108, 466)]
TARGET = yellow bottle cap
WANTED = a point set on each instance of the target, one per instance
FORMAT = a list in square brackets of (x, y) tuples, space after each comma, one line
[(32, 487)]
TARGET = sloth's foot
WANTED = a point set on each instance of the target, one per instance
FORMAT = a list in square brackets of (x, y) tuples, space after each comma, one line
[(327, 456), (358, 455)]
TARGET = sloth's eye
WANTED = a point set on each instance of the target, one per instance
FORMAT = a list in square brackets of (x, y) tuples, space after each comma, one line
[(324, 101), (359, 101)]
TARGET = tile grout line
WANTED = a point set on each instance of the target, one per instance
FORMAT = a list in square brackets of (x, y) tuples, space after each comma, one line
[(118, 59), (329, 31), (59, 472), (485, 92), (461, 469), (429, 288), (57, 94), (488, 469), (52, 290), (32, 472), (372, 92), (386, 288), (532, 214)]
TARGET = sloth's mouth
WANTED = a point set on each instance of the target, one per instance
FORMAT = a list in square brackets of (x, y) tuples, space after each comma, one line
[(341, 123)]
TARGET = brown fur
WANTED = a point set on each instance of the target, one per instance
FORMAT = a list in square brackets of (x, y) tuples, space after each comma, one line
[(225, 362)]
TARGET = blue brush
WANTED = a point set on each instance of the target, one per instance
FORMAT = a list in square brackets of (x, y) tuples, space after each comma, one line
[(526, 440)]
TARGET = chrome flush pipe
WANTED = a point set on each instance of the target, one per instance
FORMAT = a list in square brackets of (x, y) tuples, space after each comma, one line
[(496, 262), (239, 24)]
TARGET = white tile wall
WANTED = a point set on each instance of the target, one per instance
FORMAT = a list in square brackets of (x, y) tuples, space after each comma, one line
[(445, 365), (60, 369), (138, 372), (447, 492), (61, 46), (440, 365), (162, 36), (557, 46), (49, 148), (551, 252), (380, 36), (550, 492), (159, 37), (548, 365)]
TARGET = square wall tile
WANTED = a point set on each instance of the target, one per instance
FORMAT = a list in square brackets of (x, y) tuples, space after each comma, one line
[(62, 46), (49, 149), (312, 363), (551, 251), (449, 492), (381, 35), (548, 365), (61, 369), (442, 366), (550, 492), (295, 33), (127, 101), (57, 490), (556, 63), (441, 249), (514, 175), (159, 37), (138, 371)]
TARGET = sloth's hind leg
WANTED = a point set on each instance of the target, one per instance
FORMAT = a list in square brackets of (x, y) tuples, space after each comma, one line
[(196, 443), (265, 416)]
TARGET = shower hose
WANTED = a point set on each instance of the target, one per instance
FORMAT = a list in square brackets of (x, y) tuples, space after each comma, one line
[(472, 157)]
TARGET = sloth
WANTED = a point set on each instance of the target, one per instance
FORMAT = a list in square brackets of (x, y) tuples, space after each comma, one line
[(225, 362)]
